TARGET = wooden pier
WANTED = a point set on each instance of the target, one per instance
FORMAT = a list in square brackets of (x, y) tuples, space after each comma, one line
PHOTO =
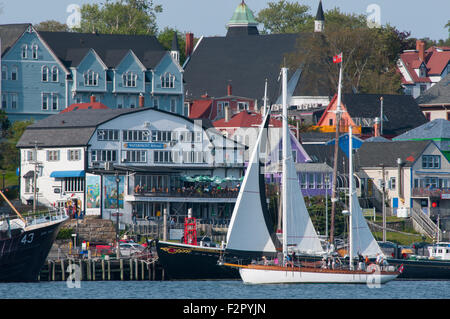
[(96, 269)]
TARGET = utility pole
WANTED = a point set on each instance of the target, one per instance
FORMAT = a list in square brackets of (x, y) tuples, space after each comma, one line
[(36, 165), (383, 208), (117, 216)]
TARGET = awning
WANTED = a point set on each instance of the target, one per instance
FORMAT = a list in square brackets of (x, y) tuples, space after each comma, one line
[(29, 174), (62, 174)]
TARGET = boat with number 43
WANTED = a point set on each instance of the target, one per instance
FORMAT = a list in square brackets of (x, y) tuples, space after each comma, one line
[(25, 243), (248, 231)]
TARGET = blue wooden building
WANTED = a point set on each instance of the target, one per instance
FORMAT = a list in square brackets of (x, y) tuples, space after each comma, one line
[(45, 72)]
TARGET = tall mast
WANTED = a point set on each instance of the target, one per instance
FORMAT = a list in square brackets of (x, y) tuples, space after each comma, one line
[(265, 100), (350, 188), (285, 137), (335, 162)]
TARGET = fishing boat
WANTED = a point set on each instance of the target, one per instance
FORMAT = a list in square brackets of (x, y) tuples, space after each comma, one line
[(249, 232), (26, 242)]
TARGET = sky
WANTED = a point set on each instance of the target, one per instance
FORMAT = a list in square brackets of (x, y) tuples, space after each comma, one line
[(209, 17)]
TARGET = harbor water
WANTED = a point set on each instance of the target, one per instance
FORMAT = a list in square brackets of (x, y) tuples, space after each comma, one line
[(398, 289)]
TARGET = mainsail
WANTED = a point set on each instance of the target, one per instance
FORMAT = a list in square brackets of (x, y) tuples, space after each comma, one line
[(251, 230)]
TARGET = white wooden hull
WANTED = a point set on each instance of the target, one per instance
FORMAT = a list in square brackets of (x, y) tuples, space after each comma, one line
[(272, 275)]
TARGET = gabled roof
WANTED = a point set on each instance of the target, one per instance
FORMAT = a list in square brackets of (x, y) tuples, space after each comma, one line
[(438, 130), (438, 94), (246, 61), (10, 33), (401, 112), (377, 153), (245, 119), (321, 153), (71, 47), (200, 109)]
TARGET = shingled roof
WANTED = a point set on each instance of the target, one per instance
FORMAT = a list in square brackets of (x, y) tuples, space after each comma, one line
[(376, 153), (9, 33), (246, 61), (72, 47), (438, 94)]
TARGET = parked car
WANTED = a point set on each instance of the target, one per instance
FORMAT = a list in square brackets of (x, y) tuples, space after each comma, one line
[(129, 249)]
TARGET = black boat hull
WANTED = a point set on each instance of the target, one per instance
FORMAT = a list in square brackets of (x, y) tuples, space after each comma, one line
[(187, 262), (422, 269), (23, 255)]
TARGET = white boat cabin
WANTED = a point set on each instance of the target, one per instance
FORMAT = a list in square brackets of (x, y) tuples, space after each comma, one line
[(440, 250)]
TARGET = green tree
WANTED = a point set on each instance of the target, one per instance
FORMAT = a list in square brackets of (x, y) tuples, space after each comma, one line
[(52, 25), (136, 17), (10, 154), (4, 123), (369, 54), (285, 17), (165, 37)]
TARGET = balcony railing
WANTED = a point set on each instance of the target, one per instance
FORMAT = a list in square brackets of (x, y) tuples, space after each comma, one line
[(431, 192), (197, 192)]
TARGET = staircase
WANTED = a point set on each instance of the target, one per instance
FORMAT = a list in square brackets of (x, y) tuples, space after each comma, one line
[(423, 224)]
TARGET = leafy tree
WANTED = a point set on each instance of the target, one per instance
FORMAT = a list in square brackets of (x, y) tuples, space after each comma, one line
[(365, 69), (285, 17), (10, 154), (137, 17), (4, 123), (52, 25), (165, 37)]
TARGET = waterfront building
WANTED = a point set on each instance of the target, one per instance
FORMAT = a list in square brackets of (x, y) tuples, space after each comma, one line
[(159, 160), (45, 72)]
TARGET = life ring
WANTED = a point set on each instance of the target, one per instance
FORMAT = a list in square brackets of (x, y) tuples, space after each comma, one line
[(373, 268)]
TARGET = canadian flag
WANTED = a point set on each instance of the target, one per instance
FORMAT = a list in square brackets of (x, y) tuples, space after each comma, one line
[(337, 58)]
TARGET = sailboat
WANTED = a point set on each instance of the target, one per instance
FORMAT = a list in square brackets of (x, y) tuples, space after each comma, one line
[(249, 233)]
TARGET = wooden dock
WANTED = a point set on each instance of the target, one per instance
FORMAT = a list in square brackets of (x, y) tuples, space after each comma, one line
[(96, 269)]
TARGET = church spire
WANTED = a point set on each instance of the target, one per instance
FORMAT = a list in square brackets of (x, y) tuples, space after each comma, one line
[(319, 22), (242, 22), (175, 51)]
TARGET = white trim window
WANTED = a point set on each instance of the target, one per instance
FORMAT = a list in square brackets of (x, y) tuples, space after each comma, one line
[(14, 73), (136, 156), (45, 72), (242, 106), (73, 155), (104, 155), (45, 101), (53, 156), (74, 184), (135, 135), (24, 51), (4, 72), (55, 74), (173, 105), (162, 157), (4, 101), (90, 78), (13, 99), (55, 101), (34, 50), (129, 79), (167, 80), (107, 135)]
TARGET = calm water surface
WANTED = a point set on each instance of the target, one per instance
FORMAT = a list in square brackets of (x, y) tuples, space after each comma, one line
[(222, 290)]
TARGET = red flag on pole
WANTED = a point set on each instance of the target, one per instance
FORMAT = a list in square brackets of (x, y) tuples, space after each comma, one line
[(337, 58)]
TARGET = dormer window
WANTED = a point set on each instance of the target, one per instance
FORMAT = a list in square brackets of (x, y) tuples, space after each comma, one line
[(167, 80), (422, 71), (91, 78), (129, 79)]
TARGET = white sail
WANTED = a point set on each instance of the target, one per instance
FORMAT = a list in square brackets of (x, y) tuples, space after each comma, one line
[(363, 241), (300, 229), (248, 230)]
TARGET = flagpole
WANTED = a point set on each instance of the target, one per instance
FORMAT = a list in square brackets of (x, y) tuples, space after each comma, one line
[(336, 152)]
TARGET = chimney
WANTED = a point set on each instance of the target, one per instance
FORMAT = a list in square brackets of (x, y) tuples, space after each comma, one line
[(92, 98), (189, 44), (420, 47), (141, 100), (376, 127), (229, 90), (227, 113)]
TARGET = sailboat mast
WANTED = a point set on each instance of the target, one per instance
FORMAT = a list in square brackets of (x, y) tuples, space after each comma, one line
[(285, 137), (350, 192), (335, 160)]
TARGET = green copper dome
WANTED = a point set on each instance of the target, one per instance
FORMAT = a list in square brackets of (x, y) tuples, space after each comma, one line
[(242, 16)]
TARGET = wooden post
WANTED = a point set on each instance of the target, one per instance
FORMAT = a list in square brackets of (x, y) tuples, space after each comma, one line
[(63, 277), (88, 269), (53, 271), (109, 269), (131, 269), (81, 270), (103, 269), (136, 267), (121, 268), (93, 269)]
